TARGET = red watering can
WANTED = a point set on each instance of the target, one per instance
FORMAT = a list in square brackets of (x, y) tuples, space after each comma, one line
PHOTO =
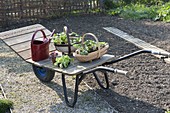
[(40, 48)]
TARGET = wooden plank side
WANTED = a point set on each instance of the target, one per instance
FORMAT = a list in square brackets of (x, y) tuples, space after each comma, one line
[(27, 45), (138, 42), (24, 37), (74, 68), (52, 47), (20, 31), (47, 63), (22, 46), (42, 63), (19, 40), (79, 67), (25, 54)]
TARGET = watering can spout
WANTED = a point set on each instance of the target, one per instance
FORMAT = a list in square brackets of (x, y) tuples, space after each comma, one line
[(52, 33)]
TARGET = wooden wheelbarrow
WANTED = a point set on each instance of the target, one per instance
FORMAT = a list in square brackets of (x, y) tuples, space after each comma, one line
[(19, 41)]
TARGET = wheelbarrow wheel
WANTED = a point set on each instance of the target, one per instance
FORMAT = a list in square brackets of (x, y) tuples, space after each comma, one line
[(43, 74)]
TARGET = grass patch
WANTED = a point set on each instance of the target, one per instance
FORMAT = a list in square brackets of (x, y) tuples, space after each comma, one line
[(142, 11), (5, 105), (138, 12), (164, 12), (167, 111), (135, 11)]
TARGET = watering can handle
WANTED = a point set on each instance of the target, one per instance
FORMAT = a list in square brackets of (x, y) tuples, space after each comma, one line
[(44, 36)]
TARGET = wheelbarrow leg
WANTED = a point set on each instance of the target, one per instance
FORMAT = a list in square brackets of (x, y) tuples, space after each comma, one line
[(99, 82), (70, 104)]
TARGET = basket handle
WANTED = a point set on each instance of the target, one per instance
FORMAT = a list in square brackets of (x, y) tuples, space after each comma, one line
[(68, 39), (98, 45), (44, 36)]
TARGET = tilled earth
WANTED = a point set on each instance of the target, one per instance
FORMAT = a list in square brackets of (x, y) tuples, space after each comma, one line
[(147, 87)]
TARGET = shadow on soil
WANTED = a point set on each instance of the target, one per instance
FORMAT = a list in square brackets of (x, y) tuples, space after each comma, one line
[(16, 64), (86, 102), (120, 103), (124, 104), (59, 89)]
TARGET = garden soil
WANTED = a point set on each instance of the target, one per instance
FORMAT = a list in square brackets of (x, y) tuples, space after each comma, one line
[(146, 89)]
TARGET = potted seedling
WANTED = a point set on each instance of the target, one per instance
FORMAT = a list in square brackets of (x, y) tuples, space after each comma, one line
[(64, 41), (63, 61)]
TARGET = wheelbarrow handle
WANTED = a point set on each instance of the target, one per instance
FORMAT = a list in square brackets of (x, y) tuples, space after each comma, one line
[(121, 72), (114, 70), (109, 69), (166, 54)]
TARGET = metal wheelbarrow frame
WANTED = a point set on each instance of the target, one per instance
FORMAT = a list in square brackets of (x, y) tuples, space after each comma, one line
[(47, 75), (19, 41)]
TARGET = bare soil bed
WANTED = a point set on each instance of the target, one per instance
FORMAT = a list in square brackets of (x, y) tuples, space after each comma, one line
[(147, 89)]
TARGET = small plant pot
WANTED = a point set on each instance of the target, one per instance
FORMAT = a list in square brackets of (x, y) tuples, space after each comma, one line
[(64, 48), (53, 56)]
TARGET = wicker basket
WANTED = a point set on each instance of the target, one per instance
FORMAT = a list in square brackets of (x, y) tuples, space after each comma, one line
[(93, 55)]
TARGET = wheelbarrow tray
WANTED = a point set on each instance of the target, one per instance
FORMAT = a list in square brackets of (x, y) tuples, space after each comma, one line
[(19, 40), (75, 67)]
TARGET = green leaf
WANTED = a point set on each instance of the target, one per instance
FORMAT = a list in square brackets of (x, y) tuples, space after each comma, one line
[(61, 38), (63, 61)]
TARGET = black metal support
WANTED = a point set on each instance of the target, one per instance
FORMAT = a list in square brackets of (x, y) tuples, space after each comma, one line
[(99, 81), (166, 55), (75, 91), (104, 70), (81, 78), (78, 80), (127, 56)]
